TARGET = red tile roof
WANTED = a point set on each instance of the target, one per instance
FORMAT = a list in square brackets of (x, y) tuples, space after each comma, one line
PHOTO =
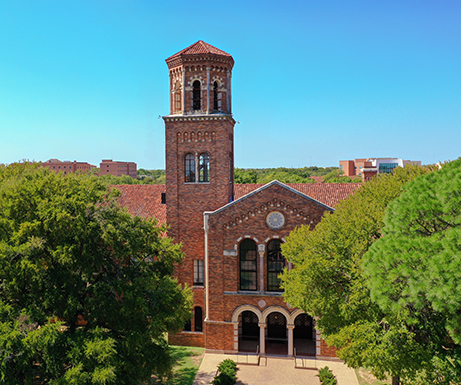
[(318, 179), (200, 48), (143, 200), (327, 193)]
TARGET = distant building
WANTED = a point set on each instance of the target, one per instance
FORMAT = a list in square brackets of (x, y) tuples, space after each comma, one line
[(109, 166), (369, 167), (67, 166)]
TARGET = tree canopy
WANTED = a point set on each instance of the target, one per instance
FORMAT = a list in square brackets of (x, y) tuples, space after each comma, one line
[(291, 175), (414, 269), (328, 281), (86, 289)]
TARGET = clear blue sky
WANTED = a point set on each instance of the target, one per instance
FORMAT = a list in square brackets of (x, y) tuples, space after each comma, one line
[(314, 82)]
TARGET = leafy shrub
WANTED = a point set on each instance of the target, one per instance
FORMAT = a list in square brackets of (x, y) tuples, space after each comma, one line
[(227, 373), (326, 376)]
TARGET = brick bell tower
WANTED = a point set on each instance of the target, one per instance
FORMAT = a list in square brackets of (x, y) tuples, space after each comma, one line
[(199, 140)]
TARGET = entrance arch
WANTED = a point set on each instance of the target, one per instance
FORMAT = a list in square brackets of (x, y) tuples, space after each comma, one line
[(304, 335), (246, 320), (248, 331), (276, 335)]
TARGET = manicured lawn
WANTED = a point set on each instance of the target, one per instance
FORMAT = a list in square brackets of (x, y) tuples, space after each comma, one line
[(188, 361), (366, 378)]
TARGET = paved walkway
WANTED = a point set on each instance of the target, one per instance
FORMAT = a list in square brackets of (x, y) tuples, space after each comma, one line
[(273, 370)]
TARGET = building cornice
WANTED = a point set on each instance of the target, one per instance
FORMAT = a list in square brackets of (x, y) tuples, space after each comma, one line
[(195, 118)]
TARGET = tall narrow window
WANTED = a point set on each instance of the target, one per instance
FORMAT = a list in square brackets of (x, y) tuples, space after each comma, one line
[(204, 168), (196, 96), (248, 265), (198, 272), (215, 96), (189, 168), (198, 319), (177, 98), (188, 326), (275, 265)]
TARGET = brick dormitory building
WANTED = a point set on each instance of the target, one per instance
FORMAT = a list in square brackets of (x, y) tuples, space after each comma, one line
[(230, 234)]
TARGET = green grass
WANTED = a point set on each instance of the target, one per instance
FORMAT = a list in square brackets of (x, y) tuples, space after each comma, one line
[(366, 378), (188, 361)]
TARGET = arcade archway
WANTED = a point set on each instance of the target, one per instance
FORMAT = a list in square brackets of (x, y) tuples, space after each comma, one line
[(304, 335), (276, 334), (248, 332)]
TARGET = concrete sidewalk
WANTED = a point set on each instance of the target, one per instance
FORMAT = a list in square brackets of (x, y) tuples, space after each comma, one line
[(273, 370)]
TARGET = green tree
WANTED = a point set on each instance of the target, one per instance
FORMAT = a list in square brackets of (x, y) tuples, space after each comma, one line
[(245, 176), (151, 176), (86, 289), (335, 176), (414, 269), (284, 175), (328, 280)]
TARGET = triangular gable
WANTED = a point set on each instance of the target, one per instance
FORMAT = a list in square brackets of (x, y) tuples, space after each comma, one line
[(267, 186)]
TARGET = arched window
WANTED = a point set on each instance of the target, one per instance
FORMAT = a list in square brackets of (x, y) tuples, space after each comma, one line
[(177, 98), (215, 96), (204, 168), (198, 319), (248, 265), (196, 96), (189, 168), (275, 265)]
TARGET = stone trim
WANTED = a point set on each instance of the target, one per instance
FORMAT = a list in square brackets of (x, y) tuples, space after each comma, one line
[(188, 118), (264, 207)]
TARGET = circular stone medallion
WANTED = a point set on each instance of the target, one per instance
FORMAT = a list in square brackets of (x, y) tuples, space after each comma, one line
[(275, 220)]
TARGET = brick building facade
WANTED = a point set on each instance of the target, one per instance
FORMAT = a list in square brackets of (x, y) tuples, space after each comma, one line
[(367, 168), (118, 168), (67, 167), (230, 234)]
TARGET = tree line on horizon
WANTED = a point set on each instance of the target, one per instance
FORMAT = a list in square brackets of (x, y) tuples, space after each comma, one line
[(249, 175)]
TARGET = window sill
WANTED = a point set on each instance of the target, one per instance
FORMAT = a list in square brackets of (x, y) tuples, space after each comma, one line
[(198, 286), (187, 332), (196, 182), (255, 293)]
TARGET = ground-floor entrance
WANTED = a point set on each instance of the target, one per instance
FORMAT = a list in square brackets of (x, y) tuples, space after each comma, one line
[(274, 332), (304, 336), (248, 332), (276, 335)]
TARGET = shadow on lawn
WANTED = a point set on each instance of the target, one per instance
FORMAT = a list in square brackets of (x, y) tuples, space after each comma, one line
[(187, 364)]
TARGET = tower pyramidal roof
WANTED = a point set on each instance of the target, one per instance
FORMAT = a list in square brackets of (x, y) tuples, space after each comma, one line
[(199, 48)]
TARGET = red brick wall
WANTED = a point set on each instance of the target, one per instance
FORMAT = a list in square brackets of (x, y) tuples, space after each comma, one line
[(220, 336), (186, 202), (227, 228), (187, 339), (248, 218), (327, 351)]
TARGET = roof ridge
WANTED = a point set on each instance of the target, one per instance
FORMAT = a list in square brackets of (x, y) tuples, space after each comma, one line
[(200, 47)]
